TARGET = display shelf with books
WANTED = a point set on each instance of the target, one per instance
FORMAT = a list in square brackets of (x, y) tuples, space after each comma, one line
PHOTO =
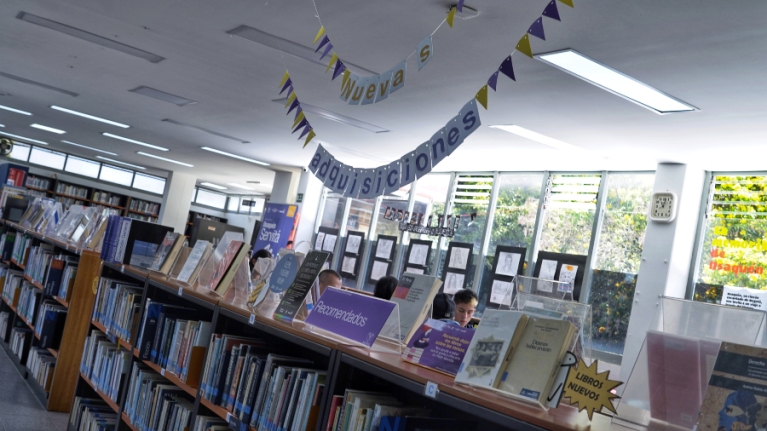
[(38, 183), (140, 206), (114, 200)]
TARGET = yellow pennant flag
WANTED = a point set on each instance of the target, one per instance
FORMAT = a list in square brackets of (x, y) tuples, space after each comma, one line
[(524, 46), (309, 137), (333, 59), (320, 33), (482, 96), (299, 117), (285, 78), (567, 2), (346, 76), (451, 17), (291, 98)]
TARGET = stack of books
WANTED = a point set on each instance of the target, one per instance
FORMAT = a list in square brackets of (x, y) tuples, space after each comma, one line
[(29, 297), (153, 403), (12, 286), (41, 365), (117, 307), (61, 276), (21, 248), (21, 339), (104, 363), (92, 414), (132, 242), (37, 264)]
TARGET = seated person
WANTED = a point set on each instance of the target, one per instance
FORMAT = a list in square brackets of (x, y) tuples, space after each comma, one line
[(327, 278), (385, 287), (465, 306), (443, 308), (263, 253)]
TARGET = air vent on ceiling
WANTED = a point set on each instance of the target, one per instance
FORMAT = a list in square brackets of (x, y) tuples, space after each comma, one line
[(161, 95), (208, 131), (37, 84)]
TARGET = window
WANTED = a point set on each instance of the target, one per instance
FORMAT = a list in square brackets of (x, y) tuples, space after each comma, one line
[(360, 217), (430, 196), (333, 211), (194, 194), (215, 200), (733, 248), (20, 151), (234, 204), (251, 204), (618, 256), (51, 159), (116, 175), (84, 167), (149, 183), (569, 216)]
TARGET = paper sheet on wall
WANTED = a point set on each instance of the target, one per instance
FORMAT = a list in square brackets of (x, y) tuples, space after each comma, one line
[(744, 297), (548, 268)]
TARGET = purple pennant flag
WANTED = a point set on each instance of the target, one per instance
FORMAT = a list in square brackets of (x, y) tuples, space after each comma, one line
[(340, 67), (324, 40), (551, 11), (507, 69), (306, 130), (493, 80), (537, 29), (300, 125), (327, 50), (290, 90), (459, 6), (298, 111), (288, 83), (293, 106)]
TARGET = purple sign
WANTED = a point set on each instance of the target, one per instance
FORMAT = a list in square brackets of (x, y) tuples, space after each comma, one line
[(351, 315), (439, 345)]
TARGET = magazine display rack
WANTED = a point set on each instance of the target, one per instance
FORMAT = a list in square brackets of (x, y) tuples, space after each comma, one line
[(670, 376), (541, 287), (209, 268), (181, 259)]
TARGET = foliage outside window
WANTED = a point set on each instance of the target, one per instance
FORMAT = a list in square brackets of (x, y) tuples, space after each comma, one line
[(430, 194), (568, 220)]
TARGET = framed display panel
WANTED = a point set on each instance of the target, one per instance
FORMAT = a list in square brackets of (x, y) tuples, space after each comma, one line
[(326, 240), (382, 256), (349, 264), (417, 255), (456, 266), (508, 263), (562, 267)]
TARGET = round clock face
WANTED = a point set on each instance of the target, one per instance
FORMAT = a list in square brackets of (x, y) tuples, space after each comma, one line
[(663, 207)]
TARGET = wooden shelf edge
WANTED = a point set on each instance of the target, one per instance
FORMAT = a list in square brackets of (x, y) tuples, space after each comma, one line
[(172, 378), (54, 352), (217, 410), (34, 283), (124, 344), (104, 396), (126, 419), (143, 213), (61, 301)]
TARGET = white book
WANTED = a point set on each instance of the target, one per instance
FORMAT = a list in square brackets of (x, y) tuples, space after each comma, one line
[(414, 295), (193, 261)]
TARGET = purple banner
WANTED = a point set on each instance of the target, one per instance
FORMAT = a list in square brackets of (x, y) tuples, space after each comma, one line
[(351, 315), (439, 345)]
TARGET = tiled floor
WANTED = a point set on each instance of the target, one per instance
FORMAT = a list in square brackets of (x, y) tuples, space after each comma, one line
[(19, 409)]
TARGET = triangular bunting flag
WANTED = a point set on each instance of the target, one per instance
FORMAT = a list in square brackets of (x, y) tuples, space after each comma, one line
[(482, 96), (300, 116), (290, 91), (300, 125), (325, 40), (347, 74), (459, 6), (537, 29), (507, 68), (290, 99), (285, 78), (524, 46), (450, 17), (493, 80), (295, 105), (319, 34), (309, 138), (340, 68), (333, 59), (327, 50), (287, 84), (307, 128), (568, 2), (298, 111), (551, 10)]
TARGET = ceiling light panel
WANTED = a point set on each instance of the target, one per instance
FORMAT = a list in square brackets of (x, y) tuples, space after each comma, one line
[(18, 111), (133, 141), (120, 163), (23, 138), (235, 156), (215, 186), (161, 95), (90, 117), (47, 129), (88, 148), (38, 84), (615, 82), (164, 159), (89, 37), (240, 186), (535, 136), (204, 130), (330, 115)]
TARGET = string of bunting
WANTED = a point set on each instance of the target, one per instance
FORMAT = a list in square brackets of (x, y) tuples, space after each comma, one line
[(369, 183)]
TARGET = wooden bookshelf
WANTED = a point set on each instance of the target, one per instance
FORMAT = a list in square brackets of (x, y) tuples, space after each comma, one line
[(104, 396)]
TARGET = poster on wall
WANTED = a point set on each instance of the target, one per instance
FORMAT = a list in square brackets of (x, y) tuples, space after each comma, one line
[(417, 254), (350, 258), (508, 263), (277, 228), (382, 256), (326, 240), (457, 265), (568, 268)]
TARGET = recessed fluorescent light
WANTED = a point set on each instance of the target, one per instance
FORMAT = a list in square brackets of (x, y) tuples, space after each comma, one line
[(213, 150), (89, 148), (119, 162), (47, 129), (208, 131), (333, 116), (164, 159), (18, 111), (23, 138), (2, 125), (132, 141), (90, 117), (215, 186), (161, 95), (89, 37), (287, 46), (534, 136), (609, 79), (240, 186), (38, 84)]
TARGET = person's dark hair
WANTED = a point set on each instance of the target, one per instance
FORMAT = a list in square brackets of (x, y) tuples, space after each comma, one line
[(326, 275), (385, 287), (465, 296), (443, 307), (263, 253)]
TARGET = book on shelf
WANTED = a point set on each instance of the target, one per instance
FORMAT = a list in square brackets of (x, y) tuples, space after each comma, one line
[(151, 402), (193, 264), (7, 245), (12, 286), (209, 423), (29, 298), (41, 365), (532, 367), (354, 400), (117, 307), (133, 242), (439, 345), (49, 326), (20, 341), (236, 252), (144, 206), (92, 414), (414, 295), (493, 344), (105, 364), (163, 250)]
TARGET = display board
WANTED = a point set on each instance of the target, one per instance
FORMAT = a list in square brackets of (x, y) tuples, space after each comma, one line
[(568, 268), (351, 255), (326, 240), (417, 256), (508, 263), (457, 264), (381, 259)]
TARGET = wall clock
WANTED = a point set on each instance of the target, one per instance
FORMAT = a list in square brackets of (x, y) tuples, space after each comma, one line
[(663, 207)]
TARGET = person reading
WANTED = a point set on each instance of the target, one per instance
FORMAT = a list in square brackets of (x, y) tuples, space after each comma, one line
[(385, 287), (465, 306)]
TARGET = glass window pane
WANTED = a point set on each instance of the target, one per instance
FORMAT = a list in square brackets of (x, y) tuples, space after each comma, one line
[(116, 175), (83, 167), (618, 256), (360, 217), (215, 200), (149, 183), (51, 159), (569, 218), (194, 194), (20, 151), (234, 204), (333, 211), (430, 194)]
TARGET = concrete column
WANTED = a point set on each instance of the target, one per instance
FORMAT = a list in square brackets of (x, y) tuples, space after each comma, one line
[(666, 255), (177, 200), (311, 190), (285, 186)]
